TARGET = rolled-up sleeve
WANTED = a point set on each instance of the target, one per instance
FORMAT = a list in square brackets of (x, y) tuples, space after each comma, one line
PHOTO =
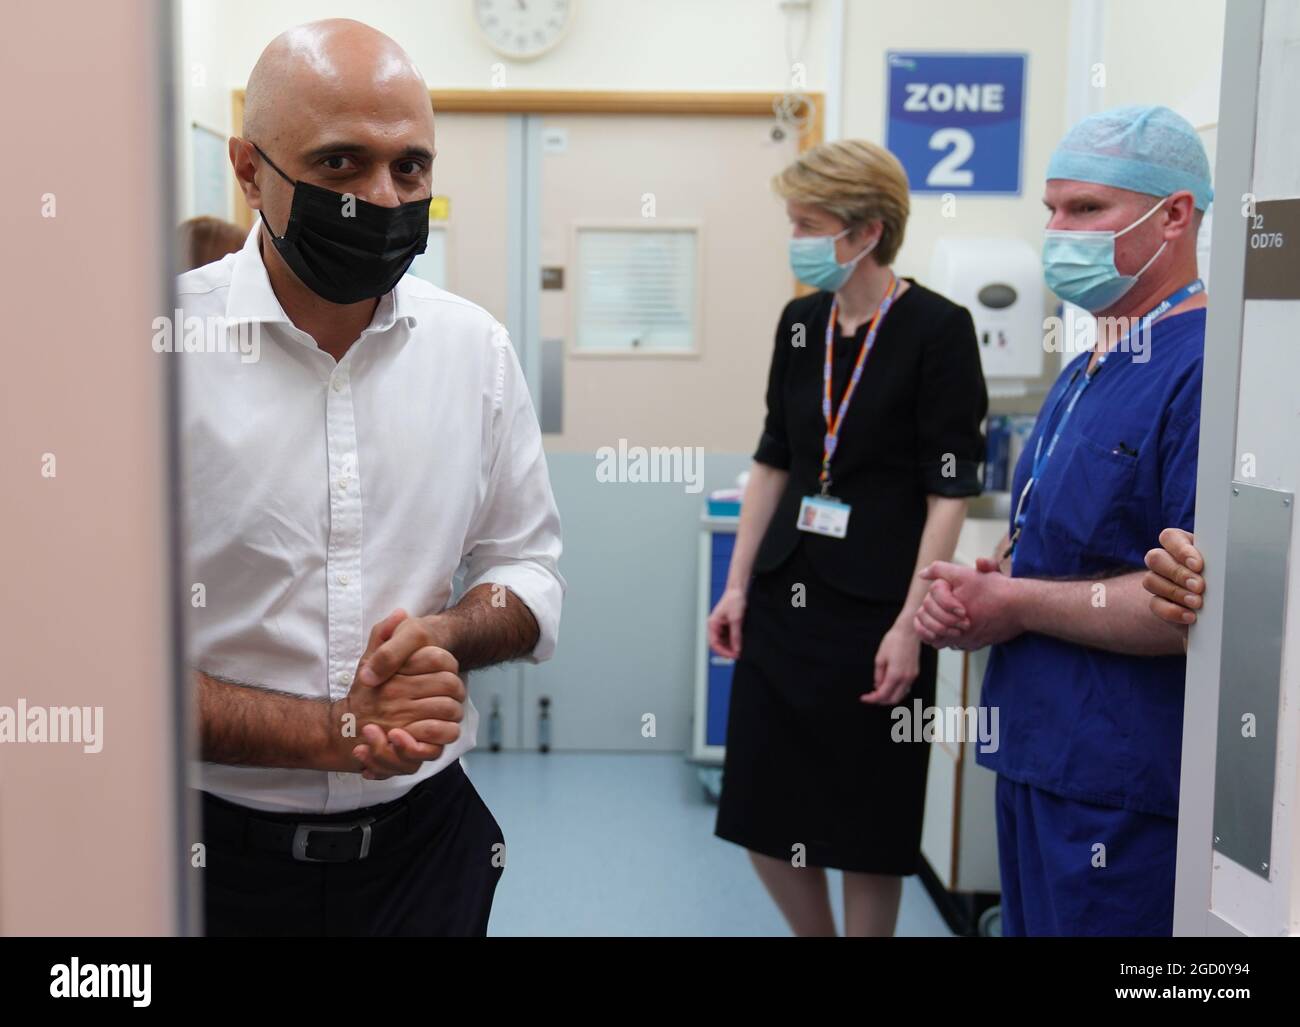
[(515, 538), (952, 404)]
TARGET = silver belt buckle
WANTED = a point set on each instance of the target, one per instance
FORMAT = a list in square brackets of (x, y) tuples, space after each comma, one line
[(300, 836)]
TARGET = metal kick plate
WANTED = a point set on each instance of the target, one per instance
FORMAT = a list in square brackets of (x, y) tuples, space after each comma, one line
[(1250, 674)]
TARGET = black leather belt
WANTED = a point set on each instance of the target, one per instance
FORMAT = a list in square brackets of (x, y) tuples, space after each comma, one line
[(318, 840)]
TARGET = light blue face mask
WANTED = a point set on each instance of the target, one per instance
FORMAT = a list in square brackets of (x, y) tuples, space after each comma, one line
[(812, 259), (1080, 266)]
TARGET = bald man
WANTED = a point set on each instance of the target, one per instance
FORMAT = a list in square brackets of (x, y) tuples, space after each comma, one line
[(369, 518)]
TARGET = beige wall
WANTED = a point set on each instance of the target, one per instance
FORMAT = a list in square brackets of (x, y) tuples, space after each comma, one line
[(87, 841), (1162, 52), (1028, 26), (613, 44), (198, 64), (1158, 54), (713, 398), (472, 169)]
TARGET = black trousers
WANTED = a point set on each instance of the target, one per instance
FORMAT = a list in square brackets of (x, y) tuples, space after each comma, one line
[(436, 877)]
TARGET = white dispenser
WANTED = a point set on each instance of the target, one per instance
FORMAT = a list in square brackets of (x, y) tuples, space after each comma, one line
[(1000, 281)]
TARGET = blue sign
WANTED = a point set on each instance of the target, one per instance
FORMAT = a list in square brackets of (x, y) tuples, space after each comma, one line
[(956, 121)]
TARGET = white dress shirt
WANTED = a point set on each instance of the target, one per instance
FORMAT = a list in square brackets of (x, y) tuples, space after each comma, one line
[(322, 495)]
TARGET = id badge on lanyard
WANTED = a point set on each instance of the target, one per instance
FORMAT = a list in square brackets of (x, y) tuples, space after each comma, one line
[(823, 514)]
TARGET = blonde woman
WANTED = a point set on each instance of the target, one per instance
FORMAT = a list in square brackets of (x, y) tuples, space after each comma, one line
[(870, 445)]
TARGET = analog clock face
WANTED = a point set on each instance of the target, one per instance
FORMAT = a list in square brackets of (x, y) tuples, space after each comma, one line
[(522, 28)]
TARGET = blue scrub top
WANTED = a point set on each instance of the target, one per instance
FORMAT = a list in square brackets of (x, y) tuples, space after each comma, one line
[(1083, 723)]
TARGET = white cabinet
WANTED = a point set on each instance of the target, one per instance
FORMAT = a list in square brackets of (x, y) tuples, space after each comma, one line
[(959, 835)]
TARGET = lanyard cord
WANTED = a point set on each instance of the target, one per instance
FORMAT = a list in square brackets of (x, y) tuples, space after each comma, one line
[(831, 439), (1040, 457)]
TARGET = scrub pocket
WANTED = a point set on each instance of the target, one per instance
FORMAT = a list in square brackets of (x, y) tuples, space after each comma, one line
[(1091, 486)]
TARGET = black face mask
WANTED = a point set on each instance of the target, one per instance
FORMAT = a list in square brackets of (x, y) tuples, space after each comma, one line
[(348, 259)]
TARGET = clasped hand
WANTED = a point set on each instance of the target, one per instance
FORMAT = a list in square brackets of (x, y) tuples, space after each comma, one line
[(967, 608), (406, 700)]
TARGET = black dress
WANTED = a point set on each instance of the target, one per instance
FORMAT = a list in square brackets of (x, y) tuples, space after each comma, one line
[(807, 763)]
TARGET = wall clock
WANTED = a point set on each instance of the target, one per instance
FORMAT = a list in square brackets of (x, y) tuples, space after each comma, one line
[(523, 29)]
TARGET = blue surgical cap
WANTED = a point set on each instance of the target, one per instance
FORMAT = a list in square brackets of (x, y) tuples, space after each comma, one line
[(1146, 149)]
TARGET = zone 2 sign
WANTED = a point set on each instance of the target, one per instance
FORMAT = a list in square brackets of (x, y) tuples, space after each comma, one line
[(956, 121)]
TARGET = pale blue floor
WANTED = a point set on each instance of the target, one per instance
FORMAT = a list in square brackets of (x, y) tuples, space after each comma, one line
[(623, 844)]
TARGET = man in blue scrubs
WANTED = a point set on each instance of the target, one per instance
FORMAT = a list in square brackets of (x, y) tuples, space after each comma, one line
[(1088, 683)]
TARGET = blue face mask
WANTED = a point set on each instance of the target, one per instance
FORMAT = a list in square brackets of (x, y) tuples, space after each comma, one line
[(812, 259), (1080, 266)]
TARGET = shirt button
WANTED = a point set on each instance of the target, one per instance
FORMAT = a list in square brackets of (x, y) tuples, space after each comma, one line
[(338, 384), (343, 483), (345, 678), (343, 579)]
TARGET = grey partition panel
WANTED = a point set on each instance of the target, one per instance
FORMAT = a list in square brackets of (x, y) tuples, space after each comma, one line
[(1250, 675), (503, 686), (628, 634), (551, 414)]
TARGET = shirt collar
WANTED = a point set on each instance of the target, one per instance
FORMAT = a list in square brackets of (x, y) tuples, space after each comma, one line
[(251, 298)]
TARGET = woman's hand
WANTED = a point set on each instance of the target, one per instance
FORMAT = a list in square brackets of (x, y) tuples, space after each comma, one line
[(898, 661), (724, 623)]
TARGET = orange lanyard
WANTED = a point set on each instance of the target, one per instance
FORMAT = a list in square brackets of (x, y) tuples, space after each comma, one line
[(832, 436)]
